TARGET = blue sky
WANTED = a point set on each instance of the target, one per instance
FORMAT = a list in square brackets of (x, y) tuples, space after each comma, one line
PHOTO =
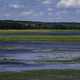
[(41, 10)]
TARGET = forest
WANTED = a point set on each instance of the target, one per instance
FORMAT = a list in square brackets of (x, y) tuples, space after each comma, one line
[(11, 24)]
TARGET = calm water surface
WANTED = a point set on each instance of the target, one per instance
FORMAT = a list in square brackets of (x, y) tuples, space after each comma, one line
[(35, 55)]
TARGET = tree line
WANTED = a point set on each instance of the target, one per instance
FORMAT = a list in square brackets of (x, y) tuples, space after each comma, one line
[(10, 24)]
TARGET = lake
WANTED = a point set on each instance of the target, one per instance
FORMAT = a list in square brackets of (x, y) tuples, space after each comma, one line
[(27, 55)]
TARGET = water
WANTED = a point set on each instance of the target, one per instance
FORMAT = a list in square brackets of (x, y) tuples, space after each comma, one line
[(41, 33), (38, 67), (28, 56)]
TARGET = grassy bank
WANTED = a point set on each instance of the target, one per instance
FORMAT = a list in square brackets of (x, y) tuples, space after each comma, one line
[(42, 75), (40, 38), (35, 30)]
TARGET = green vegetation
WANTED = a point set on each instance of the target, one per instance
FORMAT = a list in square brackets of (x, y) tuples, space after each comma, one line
[(8, 47), (13, 24), (37, 37), (42, 75), (40, 38), (35, 30)]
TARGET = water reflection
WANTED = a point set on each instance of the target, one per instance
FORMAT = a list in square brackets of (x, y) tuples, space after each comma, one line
[(39, 55)]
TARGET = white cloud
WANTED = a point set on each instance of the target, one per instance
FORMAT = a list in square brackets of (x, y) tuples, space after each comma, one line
[(38, 0), (41, 13), (38, 14), (69, 3), (16, 6), (50, 9), (7, 15), (31, 12), (46, 2), (50, 13), (27, 13)]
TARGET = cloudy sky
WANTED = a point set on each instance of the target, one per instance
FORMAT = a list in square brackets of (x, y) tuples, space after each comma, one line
[(41, 10)]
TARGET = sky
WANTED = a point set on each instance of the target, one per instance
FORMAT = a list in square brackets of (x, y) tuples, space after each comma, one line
[(40, 10)]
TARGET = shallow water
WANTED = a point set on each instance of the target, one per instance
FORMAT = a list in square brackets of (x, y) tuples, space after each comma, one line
[(42, 33), (19, 68), (35, 55)]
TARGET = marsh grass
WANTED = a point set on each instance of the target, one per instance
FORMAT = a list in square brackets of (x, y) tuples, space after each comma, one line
[(40, 38), (42, 75), (36, 30)]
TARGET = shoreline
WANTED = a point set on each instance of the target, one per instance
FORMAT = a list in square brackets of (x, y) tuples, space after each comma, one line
[(42, 75)]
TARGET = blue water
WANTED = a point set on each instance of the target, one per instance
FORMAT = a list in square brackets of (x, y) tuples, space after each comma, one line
[(43, 33), (27, 56), (52, 33), (33, 55), (16, 68)]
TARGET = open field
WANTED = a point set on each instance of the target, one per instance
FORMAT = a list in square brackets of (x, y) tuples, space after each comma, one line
[(42, 75)]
